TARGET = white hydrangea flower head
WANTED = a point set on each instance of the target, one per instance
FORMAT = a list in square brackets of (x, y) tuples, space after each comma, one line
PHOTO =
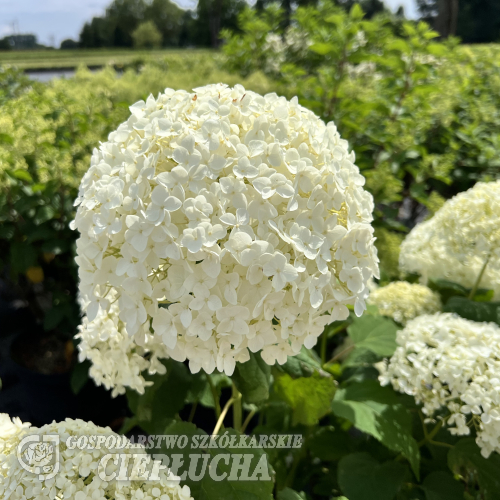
[(221, 222), (10, 430), (403, 301), (117, 360), (78, 475), (447, 362), (456, 242)]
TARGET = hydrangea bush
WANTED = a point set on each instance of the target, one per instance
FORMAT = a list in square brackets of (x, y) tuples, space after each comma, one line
[(445, 361), (461, 242), (222, 222)]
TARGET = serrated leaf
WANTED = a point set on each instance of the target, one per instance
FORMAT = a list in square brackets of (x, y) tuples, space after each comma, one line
[(253, 379), (309, 397), (376, 333), (465, 459), (376, 410), (474, 311), (361, 477)]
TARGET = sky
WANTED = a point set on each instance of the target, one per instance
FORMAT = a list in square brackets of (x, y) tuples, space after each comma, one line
[(55, 20)]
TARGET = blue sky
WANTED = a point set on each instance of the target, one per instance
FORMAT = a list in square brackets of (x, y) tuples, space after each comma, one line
[(55, 20)]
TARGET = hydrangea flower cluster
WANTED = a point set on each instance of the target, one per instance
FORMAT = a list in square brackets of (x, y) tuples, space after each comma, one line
[(459, 239), (117, 360), (78, 477), (445, 361), (222, 222), (403, 301)]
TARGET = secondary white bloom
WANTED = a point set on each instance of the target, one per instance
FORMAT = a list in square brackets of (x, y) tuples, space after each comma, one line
[(449, 362), (403, 301), (78, 476), (119, 360), (227, 222), (457, 241)]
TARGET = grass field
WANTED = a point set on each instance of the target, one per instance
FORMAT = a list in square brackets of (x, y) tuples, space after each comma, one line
[(52, 59)]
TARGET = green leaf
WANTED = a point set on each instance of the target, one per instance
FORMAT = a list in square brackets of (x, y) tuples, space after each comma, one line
[(475, 311), (309, 397), (336, 19), (22, 175), (376, 333), (303, 364), (161, 401), (79, 376), (322, 48), (376, 410), (253, 379), (356, 12), (361, 477), (442, 485), (437, 49), (465, 459), (448, 288), (289, 494), (207, 488)]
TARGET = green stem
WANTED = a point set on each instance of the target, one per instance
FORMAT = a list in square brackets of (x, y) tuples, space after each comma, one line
[(193, 411), (214, 395), (223, 414), (431, 434), (341, 353), (479, 278), (330, 333), (237, 410), (247, 420)]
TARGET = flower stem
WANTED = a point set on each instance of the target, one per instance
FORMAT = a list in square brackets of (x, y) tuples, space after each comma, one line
[(223, 414), (479, 278), (237, 410), (214, 395), (430, 435), (247, 420), (193, 411), (341, 353)]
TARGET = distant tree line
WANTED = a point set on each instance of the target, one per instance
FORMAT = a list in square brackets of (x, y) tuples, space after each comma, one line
[(162, 23), (153, 23)]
